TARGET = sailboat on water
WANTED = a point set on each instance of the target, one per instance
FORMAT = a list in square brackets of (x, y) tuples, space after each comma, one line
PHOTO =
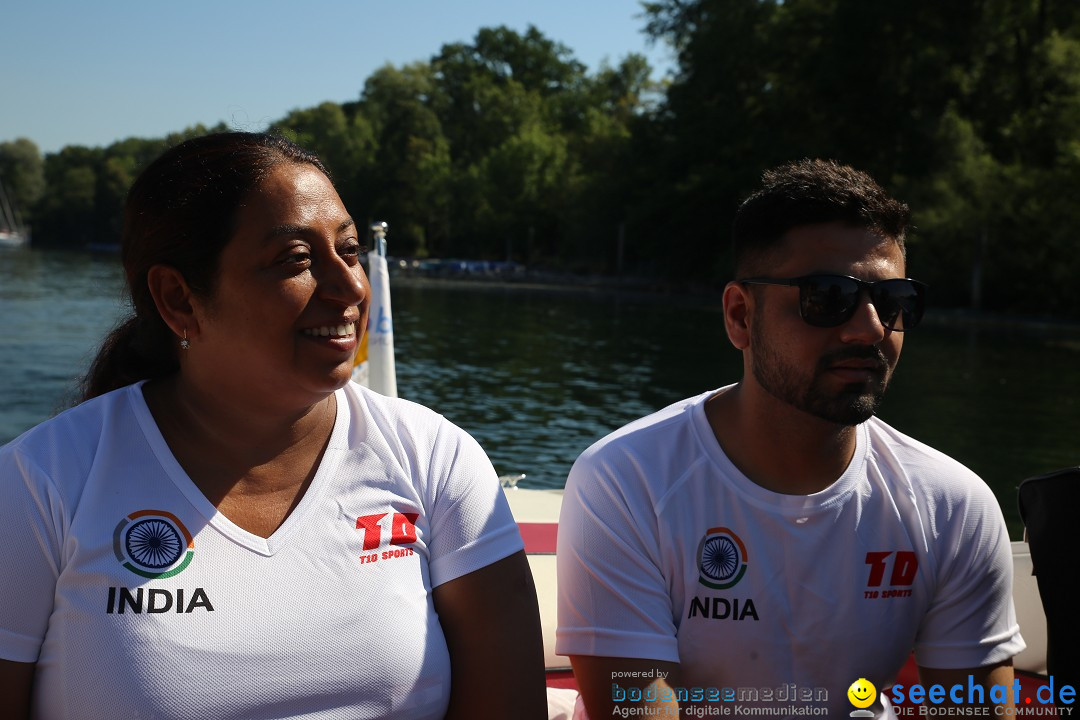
[(13, 232)]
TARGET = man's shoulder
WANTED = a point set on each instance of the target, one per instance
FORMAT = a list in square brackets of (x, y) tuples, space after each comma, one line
[(925, 469), (645, 433), (647, 455)]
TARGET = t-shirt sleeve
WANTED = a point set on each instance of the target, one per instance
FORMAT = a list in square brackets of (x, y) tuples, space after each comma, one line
[(613, 597), (471, 523), (971, 621), (31, 522)]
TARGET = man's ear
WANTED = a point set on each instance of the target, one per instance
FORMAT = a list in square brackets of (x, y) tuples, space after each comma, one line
[(738, 311), (173, 299)]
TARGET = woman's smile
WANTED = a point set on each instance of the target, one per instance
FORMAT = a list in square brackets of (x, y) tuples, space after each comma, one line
[(340, 337), (346, 330)]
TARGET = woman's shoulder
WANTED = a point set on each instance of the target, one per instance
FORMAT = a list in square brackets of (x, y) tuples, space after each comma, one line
[(396, 414), (407, 424), (72, 437)]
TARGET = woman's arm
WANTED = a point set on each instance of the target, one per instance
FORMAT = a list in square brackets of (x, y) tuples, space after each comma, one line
[(16, 681), (492, 626)]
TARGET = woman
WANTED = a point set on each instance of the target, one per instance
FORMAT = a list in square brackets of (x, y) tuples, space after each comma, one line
[(228, 527)]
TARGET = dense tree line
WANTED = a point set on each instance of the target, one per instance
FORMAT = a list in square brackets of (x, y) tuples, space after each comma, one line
[(969, 110), (507, 148)]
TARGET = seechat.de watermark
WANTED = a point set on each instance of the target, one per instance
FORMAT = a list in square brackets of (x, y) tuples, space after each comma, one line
[(973, 700)]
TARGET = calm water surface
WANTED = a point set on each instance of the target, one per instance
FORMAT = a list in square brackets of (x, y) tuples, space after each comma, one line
[(537, 375)]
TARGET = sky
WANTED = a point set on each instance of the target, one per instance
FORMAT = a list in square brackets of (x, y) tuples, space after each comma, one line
[(91, 73)]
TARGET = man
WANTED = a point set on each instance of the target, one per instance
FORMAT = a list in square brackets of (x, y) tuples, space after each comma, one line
[(770, 543)]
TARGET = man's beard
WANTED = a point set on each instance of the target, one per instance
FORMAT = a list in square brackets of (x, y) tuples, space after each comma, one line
[(805, 390)]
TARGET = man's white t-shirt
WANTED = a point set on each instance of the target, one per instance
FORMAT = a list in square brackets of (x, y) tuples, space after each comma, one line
[(137, 599), (668, 552)]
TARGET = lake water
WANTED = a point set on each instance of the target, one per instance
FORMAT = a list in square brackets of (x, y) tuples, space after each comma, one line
[(537, 375)]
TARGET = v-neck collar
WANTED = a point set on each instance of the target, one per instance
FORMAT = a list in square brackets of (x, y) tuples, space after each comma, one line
[(268, 546)]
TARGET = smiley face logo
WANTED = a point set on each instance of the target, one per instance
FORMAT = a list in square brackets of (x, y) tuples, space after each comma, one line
[(862, 693)]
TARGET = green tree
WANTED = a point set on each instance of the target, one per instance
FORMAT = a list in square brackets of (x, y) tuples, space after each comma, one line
[(966, 108), (486, 88), (22, 171), (344, 141), (408, 183), (611, 162), (538, 148), (65, 214), (526, 179), (86, 187)]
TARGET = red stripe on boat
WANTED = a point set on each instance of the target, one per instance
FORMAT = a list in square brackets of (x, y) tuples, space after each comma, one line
[(561, 679), (539, 537)]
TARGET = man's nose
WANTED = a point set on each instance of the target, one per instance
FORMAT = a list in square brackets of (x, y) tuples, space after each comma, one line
[(865, 325)]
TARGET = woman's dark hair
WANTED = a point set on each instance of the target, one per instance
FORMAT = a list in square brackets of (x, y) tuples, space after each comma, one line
[(809, 192), (181, 212)]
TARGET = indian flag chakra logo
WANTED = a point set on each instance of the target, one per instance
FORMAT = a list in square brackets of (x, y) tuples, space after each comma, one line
[(153, 543), (721, 559)]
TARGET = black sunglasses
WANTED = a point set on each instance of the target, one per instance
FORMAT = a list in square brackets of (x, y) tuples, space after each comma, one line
[(831, 300)]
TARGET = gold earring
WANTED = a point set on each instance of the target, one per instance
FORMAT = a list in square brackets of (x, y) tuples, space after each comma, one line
[(184, 342)]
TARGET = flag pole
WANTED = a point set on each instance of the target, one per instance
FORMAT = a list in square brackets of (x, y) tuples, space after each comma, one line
[(375, 366)]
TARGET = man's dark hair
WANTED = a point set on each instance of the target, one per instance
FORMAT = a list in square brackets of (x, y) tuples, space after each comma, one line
[(810, 192)]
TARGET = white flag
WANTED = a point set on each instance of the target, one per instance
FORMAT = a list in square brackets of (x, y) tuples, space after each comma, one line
[(375, 359)]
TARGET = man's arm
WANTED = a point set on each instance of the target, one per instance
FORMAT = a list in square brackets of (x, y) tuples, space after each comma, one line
[(615, 609), (606, 683), (998, 674)]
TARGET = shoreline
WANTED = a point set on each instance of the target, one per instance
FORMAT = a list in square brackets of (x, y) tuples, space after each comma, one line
[(645, 289)]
